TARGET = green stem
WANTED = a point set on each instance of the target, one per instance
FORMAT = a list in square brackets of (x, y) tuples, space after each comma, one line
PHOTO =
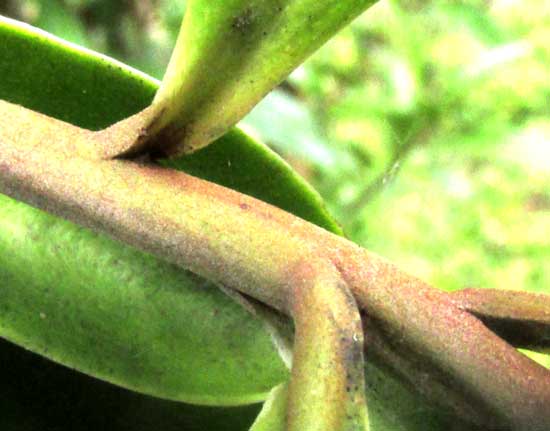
[(228, 56), (327, 390)]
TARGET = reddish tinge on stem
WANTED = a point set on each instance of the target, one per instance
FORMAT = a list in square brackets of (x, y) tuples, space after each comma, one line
[(260, 250)]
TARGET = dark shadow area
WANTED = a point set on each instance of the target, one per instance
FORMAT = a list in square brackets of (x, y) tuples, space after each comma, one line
[(37, 394)]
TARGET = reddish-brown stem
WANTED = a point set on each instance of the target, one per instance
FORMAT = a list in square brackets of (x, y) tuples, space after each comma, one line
[(521, 318), (250, 246), (427, 321)]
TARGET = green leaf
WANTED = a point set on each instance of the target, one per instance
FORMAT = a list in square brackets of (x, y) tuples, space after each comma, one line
[(273, 414), (106, 309)]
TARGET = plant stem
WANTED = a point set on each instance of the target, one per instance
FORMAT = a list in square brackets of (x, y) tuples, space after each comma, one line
[(143, 205), (521, 318), (250, 246), (327, 390)]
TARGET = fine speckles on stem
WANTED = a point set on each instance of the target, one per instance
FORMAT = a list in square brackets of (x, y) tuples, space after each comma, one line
[(265, 252)]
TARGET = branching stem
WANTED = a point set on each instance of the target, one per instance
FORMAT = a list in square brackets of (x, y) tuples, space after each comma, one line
[(250, 246), (327, 390)]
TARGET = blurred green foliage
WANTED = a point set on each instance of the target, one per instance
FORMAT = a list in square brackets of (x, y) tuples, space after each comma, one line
[(424, 125)]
